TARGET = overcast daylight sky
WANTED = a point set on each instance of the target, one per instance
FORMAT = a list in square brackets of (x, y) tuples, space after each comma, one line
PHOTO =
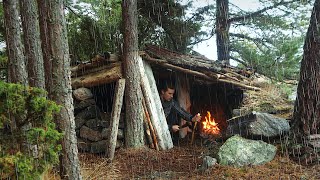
[(208, 48)]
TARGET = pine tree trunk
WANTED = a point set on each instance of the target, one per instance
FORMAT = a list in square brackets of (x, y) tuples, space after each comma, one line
[(32, 44), (45, 43), (222, 30), (17, 68), (133, 95), (61, 90), (307, 106)]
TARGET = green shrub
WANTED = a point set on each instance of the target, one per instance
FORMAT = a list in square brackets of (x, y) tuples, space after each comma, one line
[(26, 117)]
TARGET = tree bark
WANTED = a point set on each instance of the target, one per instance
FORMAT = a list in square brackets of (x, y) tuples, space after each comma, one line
[(16, 68), (222, 30), (307, 107), (115, 117), (133, 94), (45, 43), (32, 43), (61, 89)]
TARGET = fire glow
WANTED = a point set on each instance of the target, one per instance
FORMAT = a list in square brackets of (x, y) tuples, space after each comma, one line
[(209, 125)]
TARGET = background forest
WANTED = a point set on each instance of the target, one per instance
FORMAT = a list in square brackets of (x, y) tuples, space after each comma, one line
[(268, 39)]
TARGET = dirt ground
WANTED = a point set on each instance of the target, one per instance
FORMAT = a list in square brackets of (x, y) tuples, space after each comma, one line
[(184, 162)]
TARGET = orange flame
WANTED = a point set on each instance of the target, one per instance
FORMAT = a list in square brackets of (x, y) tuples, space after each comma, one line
[(210, 126)]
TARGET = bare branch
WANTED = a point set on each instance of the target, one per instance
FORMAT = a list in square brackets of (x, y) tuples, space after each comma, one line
[(257, 13)]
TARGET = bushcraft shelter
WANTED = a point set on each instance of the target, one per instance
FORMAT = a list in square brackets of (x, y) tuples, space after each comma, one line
[(201, 84)]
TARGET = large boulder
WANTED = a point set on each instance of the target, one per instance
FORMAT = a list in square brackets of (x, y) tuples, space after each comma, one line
[(256, 124), (268, 125), (238, 151)]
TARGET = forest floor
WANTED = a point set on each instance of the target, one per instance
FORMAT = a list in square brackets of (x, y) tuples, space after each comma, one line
[(184, 162)]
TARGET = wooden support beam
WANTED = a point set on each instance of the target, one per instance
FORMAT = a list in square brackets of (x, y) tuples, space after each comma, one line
[(115, 117), (154, 107), (98, 78)]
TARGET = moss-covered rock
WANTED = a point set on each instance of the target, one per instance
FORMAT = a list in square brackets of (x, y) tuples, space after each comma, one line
[(238, 151)]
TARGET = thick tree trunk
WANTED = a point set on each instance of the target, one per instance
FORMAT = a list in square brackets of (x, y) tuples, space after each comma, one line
[(45, 43), (62, 91), (222, 30), (307, 106), (32, 43), (17, 68), (133, 94)]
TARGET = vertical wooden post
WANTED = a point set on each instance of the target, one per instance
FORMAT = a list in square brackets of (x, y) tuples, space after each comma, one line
[(115, 117), (183, 92)]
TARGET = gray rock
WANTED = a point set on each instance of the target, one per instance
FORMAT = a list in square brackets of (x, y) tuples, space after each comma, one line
[(79, 120), (238, 151), (208, 162), (78, 107), (105, 133), (82, 94), (93, 123), (101, 146), (90, 134), (268, 125), (83, 146)]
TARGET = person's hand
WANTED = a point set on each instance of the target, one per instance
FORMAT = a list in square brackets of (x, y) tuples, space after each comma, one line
[(175, 128), (196, 118)]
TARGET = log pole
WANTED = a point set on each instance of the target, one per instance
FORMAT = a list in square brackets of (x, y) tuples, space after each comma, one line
[(115, 117)]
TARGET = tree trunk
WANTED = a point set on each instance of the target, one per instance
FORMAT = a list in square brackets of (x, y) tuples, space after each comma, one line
[(222, 30), (32, 44), (306, 111), (45, 43), (17, 68), (61, 89), (133, 95)]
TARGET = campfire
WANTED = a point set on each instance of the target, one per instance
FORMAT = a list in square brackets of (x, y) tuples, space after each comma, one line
[(210, 127)]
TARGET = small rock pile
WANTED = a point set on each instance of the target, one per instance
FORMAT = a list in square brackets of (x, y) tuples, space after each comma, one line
[(92, 125)]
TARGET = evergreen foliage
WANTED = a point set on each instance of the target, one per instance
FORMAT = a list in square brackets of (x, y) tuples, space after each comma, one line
[(31, 104)]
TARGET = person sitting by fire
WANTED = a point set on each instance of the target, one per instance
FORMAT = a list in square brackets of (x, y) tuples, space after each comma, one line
[(174, 112)]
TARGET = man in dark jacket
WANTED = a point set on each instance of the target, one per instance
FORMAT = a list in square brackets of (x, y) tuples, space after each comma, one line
[(174, 112)]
